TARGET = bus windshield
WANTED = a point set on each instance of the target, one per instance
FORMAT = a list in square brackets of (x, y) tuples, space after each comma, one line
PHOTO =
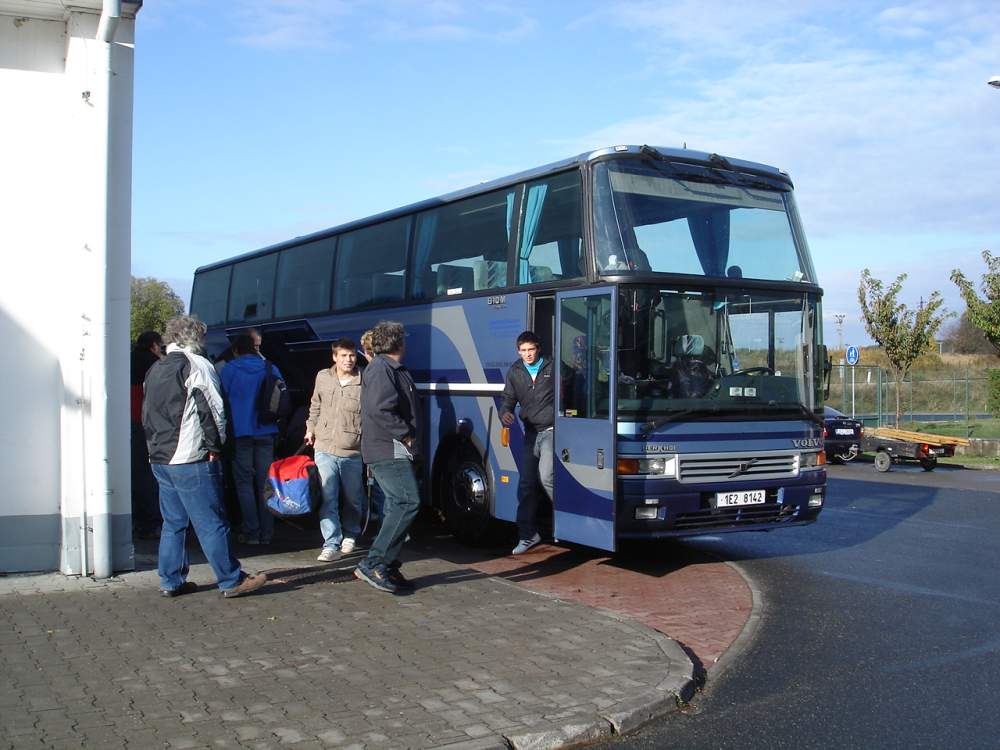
[(649, 217), (739, 353)]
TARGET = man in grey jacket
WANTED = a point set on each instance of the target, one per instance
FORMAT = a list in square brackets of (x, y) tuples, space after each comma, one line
[(334, 430), (389, 445)]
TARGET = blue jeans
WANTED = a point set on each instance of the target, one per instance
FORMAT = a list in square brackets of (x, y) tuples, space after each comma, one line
[(402, 503), (536, 474), (252, 459), (340, 474), (191, 495), (378, 501)]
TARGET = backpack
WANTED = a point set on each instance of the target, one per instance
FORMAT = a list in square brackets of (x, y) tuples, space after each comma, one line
[(293, 486), (274, 402)]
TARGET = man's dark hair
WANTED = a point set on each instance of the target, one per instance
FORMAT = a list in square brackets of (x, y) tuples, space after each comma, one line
[(388, 337), (528, 337), (243, 344), (344, 343), (147, 339)]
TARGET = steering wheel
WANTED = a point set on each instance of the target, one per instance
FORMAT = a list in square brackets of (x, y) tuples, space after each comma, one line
[(751, 370)]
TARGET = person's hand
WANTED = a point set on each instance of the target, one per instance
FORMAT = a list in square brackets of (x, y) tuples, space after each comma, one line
[(507, 419), (213, 456), (309, 439)]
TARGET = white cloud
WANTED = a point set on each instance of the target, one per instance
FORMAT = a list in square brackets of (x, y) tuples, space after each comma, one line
[(882, 117), (279, 24), (877, 136), (290, 24)]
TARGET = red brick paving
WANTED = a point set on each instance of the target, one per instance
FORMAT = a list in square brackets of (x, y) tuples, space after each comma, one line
[(703, 605)]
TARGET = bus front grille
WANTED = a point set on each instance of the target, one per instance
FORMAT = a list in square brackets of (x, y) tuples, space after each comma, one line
[(721, 467), (708, 519)]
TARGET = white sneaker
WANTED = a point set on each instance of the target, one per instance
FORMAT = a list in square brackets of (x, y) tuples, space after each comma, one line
[(328, 555), (347, 546), (525, 544)]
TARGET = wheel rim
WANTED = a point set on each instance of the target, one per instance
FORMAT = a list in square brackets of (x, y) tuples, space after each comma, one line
[(469, 491)]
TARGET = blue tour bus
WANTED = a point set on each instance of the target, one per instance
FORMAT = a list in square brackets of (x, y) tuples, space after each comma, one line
[(674, 290)]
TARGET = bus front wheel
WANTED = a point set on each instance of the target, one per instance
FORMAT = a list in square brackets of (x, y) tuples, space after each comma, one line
[(466, 501)]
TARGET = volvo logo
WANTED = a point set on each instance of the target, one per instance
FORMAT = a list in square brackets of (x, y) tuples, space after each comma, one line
[(744, 467), (807, 443)]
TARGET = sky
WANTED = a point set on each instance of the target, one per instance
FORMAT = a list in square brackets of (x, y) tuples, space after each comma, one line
[(262, 120)]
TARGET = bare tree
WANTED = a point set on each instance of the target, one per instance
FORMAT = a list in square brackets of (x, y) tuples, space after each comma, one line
[(962, 336)]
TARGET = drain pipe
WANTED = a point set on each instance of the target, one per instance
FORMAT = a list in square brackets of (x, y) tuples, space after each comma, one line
[(110, 15), (98, 506)]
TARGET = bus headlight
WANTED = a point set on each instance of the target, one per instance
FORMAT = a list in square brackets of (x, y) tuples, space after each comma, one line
[(812, 460), (659, 466)]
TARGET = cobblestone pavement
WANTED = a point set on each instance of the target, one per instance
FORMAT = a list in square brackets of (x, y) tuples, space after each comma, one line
[(700, 602), (318, 659)]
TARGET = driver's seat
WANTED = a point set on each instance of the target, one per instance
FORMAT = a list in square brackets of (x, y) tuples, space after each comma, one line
[(691, 377)]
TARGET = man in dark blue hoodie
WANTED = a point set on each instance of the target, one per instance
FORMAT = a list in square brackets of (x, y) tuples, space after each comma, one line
[(242, 379)]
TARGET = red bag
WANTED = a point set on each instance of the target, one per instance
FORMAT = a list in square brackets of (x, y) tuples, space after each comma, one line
[(294, 486)]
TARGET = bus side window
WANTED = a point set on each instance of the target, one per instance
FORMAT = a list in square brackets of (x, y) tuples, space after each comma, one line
[(251, 293), (551, 230), (304, 274), (371, 264), (208, 300), (462, 247)]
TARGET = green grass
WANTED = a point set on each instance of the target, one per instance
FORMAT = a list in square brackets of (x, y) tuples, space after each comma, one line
[(984, 429), (973, 462)]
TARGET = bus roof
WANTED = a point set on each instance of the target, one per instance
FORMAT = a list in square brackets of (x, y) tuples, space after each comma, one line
[(670, 154)]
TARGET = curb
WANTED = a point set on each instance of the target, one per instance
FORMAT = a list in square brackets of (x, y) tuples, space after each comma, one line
[(750, 627), (624, 717)]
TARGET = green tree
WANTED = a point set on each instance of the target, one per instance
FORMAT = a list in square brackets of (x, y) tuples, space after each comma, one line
[(984, 313), (902, 333), (153, 304)]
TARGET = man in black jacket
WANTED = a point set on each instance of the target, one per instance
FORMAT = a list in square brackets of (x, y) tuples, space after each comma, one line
[(529, 383), (185, 427), (389, 445)]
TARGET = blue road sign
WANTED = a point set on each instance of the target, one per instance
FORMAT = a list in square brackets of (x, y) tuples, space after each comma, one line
[(853, 355)]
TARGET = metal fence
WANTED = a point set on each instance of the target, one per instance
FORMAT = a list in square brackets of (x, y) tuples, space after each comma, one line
[(925, 396)]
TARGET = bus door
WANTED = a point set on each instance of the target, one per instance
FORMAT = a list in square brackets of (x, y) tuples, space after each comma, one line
[(585, 430)]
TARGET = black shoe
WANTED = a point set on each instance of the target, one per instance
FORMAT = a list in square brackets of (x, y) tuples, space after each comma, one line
[(375, 576), (188, 587), (401, 582)]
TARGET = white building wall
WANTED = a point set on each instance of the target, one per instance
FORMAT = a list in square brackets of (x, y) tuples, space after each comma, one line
[(53, 75)]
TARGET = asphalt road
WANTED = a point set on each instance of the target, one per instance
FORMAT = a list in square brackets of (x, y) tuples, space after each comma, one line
[(879, 625)]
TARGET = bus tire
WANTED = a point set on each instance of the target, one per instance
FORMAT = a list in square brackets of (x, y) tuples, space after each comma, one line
[(465, 499), (883, 461)]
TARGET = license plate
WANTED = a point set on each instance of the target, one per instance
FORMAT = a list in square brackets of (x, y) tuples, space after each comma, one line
[(743, 497), (844, 431)]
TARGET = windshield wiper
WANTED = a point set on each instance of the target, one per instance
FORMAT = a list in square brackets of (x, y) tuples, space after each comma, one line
[(806, 412), (650, 426)]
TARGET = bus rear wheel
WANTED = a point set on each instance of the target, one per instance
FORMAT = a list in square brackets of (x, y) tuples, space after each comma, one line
[(466, 500)]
